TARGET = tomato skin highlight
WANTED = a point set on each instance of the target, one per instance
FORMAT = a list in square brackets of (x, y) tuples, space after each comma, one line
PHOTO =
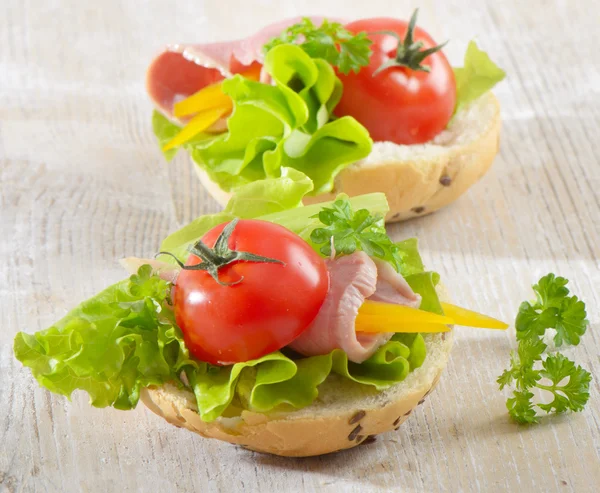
[(267, 310), (398, 104)]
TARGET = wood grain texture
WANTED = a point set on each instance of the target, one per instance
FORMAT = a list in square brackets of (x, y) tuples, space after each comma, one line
[(82, 184)]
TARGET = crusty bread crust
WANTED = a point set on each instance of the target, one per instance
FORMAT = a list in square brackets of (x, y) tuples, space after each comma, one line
[(344, 415), (423, 181)]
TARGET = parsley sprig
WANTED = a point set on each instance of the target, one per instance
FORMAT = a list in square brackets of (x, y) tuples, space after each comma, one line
[(567, 382), (350, 230), (554, 309), (330, 41)]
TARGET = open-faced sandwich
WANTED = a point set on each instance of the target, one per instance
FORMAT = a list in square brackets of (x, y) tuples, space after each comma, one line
[(368, 106), (289, 329)]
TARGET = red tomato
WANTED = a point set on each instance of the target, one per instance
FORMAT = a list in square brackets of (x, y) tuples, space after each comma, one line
[(398, 104), (271, 306)]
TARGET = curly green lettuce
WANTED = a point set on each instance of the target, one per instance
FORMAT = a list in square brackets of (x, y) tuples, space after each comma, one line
[(478, 75), (288, 124), (111, 346), (259, 198), (125, 338), (263, 384)]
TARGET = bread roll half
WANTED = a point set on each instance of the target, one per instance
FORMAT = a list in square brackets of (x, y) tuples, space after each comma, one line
[(344, 415)]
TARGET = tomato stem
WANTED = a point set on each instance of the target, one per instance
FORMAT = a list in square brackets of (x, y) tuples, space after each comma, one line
[(408, 53), (215, 258)]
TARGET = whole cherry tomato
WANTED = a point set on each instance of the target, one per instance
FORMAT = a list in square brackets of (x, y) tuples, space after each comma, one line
[(250, 308), (400, 96)]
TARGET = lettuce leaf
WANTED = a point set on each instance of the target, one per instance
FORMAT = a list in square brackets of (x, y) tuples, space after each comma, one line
[(165, 130), (111, 345), (275, 379), (252, 200), (416, 344), (277, 200), (412, 263), (478, 76), (424, 283), (421, 281), (264, 384), (277, 126)]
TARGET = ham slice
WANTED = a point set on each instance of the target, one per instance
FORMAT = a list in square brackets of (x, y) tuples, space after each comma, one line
[(392, 287), (165, 271), (353, 279), (183, 69)]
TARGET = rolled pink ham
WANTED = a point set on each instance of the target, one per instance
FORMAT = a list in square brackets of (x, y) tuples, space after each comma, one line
[(392, 287), (353, 279), (165, 271), (183, 69)]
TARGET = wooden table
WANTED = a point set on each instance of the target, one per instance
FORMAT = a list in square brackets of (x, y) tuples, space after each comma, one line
[(82, 184)]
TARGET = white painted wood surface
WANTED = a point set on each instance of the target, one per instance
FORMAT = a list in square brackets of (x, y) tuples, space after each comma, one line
[(82, 184)]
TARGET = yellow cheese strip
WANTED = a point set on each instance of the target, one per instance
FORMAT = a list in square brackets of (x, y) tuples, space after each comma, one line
[(383, 325), (468, 318), (209, 97), (399, 313), (198, 124), (374, 316)]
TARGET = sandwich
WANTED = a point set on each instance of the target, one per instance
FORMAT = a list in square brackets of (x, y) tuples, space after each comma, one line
[(367, 106), (289, 329)]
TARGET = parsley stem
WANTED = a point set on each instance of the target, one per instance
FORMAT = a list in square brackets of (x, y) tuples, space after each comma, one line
[(550, 388)]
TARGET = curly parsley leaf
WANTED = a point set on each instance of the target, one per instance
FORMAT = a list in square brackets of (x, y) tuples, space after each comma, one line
[(521, 368), (554, 309), (531, 350), (350, 230), (532, 323), (551, 290), (572, 395), (569, 395), (568, 383), (329, 41), (508, 376), (520, 407), (571, 322)]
